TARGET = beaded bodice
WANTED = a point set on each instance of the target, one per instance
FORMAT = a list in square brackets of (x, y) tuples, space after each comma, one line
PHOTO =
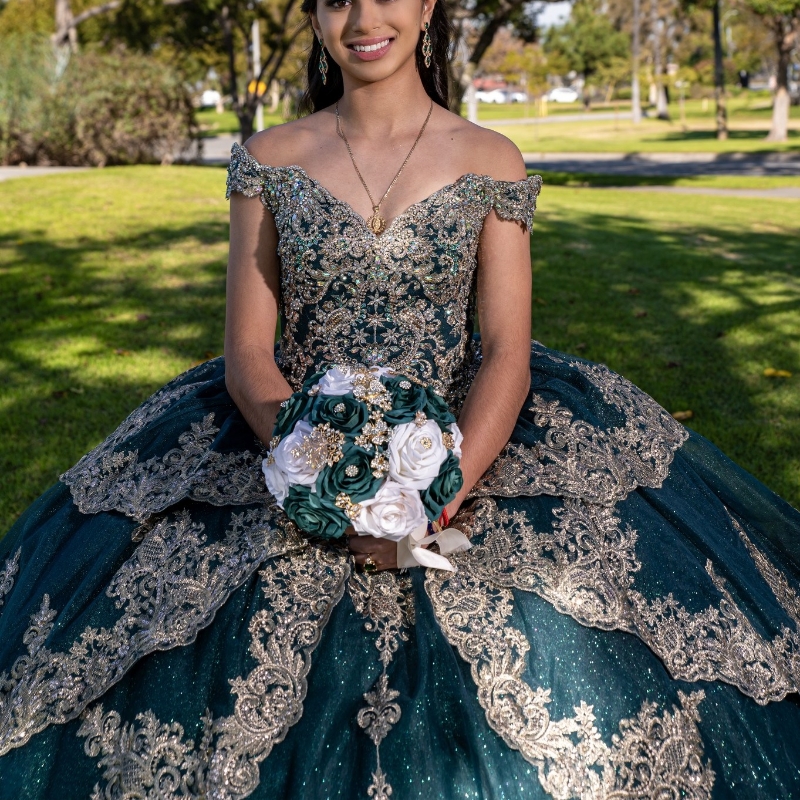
[(404, 299)]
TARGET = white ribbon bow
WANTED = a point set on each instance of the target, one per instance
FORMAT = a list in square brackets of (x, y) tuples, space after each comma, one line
[(411, 551)]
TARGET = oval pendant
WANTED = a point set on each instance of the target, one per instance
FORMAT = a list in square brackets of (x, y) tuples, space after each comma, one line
[(377, 223)]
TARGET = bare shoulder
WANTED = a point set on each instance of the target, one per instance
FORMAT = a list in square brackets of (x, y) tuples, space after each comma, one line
[(485, 152), (284, 145)]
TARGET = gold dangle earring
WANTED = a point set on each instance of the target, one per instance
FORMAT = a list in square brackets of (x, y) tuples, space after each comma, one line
[(427, 48), (323, 62)]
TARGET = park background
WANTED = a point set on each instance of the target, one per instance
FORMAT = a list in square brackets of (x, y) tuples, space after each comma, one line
[(665, 245)]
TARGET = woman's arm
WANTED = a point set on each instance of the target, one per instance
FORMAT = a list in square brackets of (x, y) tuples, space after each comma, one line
[(496, 396), (251, 314)]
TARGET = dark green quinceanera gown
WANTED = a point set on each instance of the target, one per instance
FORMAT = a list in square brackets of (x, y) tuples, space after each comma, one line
[(625, 625)]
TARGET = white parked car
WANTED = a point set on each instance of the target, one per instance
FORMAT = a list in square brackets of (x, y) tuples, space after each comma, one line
[(516, 97), (210, 98), (494, 96), (563, 94)]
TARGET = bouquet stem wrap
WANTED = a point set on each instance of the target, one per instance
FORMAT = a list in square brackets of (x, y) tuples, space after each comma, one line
[(412, 552)]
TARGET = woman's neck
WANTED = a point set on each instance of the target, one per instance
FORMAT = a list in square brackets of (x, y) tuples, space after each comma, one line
[(384, 108)]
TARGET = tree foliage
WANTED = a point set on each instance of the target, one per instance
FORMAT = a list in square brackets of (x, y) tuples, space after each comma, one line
[(587, 42)]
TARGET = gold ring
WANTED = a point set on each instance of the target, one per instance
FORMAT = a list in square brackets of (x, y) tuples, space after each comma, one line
[(369, 564)]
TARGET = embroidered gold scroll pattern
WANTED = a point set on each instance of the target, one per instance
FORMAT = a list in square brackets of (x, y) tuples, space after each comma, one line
[(8, 574), (385, 599), (577, 459), (785, 594), (151, 760), (403, 299), (168, 590), (654, 755), (119, 481), (585, 567)]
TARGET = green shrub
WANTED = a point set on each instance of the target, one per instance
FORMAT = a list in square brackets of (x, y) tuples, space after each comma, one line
[(106, 108), (25, 62)]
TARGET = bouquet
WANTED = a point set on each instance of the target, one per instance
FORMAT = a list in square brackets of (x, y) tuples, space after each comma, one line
[(367, 448)]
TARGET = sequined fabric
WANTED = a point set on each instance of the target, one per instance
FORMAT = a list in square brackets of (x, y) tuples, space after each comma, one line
[(404, 299)]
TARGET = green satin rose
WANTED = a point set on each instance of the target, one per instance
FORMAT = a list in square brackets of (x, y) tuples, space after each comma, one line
[(444, 488), (343, 412), (294, 409), (311, 381), (438, 410), (360, 485), (405, 401), (313, 514)]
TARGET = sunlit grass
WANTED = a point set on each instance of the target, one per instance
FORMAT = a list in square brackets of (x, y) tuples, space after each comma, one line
[(649, 136), (112, 282)]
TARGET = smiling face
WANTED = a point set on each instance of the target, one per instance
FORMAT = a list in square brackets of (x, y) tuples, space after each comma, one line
[(371, 39)]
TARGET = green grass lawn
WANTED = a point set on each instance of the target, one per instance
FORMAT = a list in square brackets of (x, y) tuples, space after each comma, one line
[(213, 124), (112, 282)]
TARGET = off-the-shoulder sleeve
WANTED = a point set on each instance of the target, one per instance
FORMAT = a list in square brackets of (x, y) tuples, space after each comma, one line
[(245, 174), (516, 200)]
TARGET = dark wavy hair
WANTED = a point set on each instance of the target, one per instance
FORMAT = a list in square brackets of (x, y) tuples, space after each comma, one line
[(434, 78)]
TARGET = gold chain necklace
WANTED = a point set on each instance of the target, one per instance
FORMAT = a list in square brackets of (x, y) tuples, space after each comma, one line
[(376, 223)]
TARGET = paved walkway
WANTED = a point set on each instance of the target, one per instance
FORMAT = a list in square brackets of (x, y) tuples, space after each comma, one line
[(34, 172), (668, 164), (778, 193)]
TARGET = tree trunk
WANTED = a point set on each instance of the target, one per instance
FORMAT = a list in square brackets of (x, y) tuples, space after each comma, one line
[(636, 100), (662, 112), (65, 35), (246, 127), (719, 77), (785, 39), (463, 80)]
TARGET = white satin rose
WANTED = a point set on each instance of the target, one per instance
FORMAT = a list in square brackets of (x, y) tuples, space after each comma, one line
[(276, 480), (336, 381), (415, 454), (287, 469), (458, 438), (392, 514)]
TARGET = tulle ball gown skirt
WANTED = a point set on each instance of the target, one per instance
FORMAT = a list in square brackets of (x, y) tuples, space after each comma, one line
[(625, 624)]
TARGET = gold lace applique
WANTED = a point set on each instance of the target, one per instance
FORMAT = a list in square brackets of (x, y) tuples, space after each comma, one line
[(585, 567), (405, 299), (8, 574), (654, 755), (577, 459), (785, 594), (169, 589), (149, 758), (105, 480), (385, 599)]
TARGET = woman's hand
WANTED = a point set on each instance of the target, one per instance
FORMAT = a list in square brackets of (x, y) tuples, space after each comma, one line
[(382, 551)]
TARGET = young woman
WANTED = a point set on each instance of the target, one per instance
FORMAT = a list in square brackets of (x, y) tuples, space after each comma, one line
[(625, 624)]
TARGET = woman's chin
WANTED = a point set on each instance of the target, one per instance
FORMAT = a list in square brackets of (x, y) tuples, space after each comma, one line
[(374, 71)]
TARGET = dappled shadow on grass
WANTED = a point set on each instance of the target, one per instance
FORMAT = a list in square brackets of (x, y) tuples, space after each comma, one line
[(692, 314), (90, 327)]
